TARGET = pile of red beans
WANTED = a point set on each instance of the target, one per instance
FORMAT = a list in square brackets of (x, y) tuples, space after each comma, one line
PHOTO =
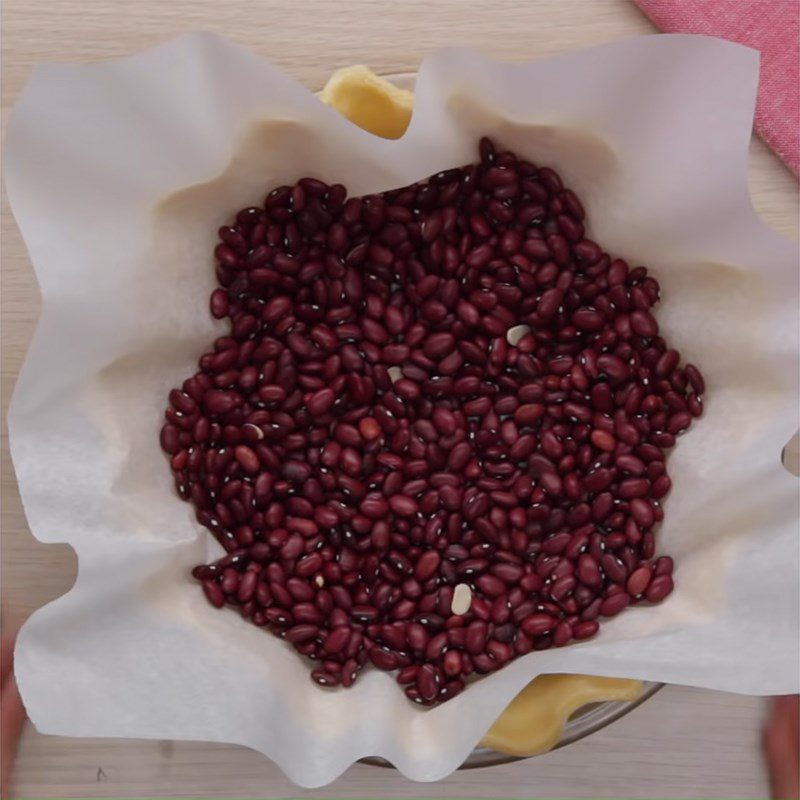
[(443, 384)]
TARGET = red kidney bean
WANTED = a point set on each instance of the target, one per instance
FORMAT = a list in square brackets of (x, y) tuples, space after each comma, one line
[(427, 565), (301, 633), (308, 565), (366, 436), (383, 659), (490, 585), (476, 637), (644, 324), (452, 663), (634, 487), (428, 682), (639, 580), (679, 422), (660, 487), (336, 640), (660, 587), (436, 646), (642, 512), (562, 587), (598, 479), (663, 566), (589, 572), (537, 624), (695, 378), (667, 363), (614, 568), (585, 629), (613, 604), (551, 482), (213, 593), (407, 674), (403, 505), (613, 367), (630, 464), (603, 441), (324, 678)]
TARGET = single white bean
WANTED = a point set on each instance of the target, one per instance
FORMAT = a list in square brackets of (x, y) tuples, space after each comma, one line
[(513, 335), (462, 599)]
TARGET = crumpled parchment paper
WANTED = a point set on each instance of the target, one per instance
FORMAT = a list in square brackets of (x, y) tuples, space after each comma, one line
[(119, 174)]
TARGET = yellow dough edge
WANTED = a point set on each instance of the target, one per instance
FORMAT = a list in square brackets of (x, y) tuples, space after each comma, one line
[(535, 718), (369, 101)]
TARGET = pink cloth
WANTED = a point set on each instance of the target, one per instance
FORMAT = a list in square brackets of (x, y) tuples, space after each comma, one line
[(770, 26)]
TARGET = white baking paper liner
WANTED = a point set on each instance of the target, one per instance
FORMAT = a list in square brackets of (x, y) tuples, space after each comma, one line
[(119, 174)]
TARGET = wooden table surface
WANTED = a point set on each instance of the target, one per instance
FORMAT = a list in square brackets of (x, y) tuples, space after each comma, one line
[(684, 742)]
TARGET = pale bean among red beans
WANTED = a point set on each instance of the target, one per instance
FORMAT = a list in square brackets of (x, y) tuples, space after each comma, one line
[(369, 435)]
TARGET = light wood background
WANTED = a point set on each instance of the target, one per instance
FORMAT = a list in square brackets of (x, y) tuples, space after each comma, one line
[(682, 743)]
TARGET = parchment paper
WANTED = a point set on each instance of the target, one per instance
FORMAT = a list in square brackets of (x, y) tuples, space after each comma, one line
[(119, 174)]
